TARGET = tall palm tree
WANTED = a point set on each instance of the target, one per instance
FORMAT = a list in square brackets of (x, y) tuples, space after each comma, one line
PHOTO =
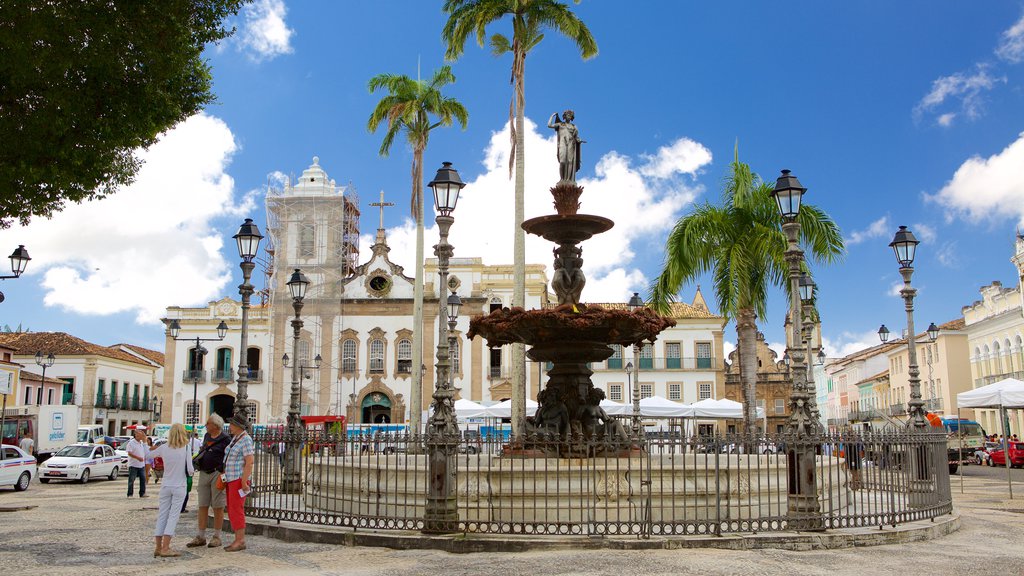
[(529, 19), (741, 243), (415, 107)]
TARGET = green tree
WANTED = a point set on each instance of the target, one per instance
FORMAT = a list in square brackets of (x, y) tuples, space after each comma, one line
[(415, 107), (86, 83), (741, 243), (529, 20)]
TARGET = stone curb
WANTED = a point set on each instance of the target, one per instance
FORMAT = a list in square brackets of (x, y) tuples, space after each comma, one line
[(465, 544)]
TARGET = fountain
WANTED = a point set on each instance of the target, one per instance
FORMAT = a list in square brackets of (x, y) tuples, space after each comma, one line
[(572, 334)]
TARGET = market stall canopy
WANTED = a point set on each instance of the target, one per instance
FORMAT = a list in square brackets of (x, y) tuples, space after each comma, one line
[(613, 408), (720, 408), (1008, 393), (660, 407), (504, 409)]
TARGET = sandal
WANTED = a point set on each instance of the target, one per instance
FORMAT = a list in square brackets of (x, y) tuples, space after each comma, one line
[(234, 547), (169, 553)]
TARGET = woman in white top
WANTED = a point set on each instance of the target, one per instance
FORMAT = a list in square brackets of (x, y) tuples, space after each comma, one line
[(177, 463)]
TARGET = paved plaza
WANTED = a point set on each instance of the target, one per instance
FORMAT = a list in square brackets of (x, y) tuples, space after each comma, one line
[(76, 529)]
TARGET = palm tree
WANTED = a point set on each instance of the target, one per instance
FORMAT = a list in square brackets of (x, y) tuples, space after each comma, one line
[(741, 243), (408, 107), (529, 19)]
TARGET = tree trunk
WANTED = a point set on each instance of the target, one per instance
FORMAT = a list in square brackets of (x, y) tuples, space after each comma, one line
[(746, 335), (519, 270), (416, 394)]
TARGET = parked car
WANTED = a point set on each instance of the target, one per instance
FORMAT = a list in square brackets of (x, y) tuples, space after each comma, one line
[(982, 455), (17, 468), (81, 462), (123, 455), (998, 458), (118, 442)]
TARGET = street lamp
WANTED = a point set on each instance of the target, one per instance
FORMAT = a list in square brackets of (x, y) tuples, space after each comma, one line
[(197, 354), (19, 260), (248, 240), (807, 294), (155, 407), (933, 332), (454, 305), (635, 304), (803, 507), (883, 334), (297, 285), (441, 513), (45, 361), (629, 379), (904, 246)]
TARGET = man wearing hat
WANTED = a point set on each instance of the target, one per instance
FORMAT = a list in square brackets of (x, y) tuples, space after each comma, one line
[(137, 452)]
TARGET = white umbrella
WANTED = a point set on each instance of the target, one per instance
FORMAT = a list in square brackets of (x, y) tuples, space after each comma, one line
[(720, 408), (658, 406)]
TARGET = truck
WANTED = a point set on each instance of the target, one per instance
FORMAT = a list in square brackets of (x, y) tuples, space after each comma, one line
[(51, 427), (963, 438)]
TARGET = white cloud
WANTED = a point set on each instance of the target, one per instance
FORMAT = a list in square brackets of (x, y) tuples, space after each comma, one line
[(641, 208), (946, 120), (849, 343), (967, 87), (150, 243), (779, 348), (684, 156), (263, 33), (924, 233), (894, 288), (728, 347), (947, 255), (878, 229), (987, 189), (1011, 45)]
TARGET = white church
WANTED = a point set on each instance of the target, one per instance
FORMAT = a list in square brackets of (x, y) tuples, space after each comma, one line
[(358, 318)]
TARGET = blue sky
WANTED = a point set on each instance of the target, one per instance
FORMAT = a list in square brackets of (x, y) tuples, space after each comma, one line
[(889, 113)]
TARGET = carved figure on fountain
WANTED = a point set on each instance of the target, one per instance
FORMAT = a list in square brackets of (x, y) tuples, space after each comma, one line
[(568, 280), (552, 417), (568, 145)]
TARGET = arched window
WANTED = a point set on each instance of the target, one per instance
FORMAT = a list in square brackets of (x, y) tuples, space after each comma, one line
[(376, 356), (404, 356), (453, 354), (303, 353), (997, 361), (348, 356)]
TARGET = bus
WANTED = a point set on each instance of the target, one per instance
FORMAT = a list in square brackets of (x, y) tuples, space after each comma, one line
[(963, 438)]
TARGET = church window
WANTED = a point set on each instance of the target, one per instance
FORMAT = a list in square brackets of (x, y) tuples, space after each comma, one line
[(453, 354), (404, 356), (348, 356), (307, 243), (303, 353), (376, 356)]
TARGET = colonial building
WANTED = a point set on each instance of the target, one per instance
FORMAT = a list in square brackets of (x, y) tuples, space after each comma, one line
[(773, 387), (112, 385)]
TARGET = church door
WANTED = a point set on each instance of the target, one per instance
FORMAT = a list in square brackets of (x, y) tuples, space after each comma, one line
[(223, 404), (376, 408)]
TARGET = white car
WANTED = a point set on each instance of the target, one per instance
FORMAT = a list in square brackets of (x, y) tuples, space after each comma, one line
[(123, 455), (81, 462), (16, 467)]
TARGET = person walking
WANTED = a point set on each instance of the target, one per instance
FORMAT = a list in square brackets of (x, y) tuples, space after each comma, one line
[(137, 453), (27, 445), (238, 464), (177, 469), (210, 463)]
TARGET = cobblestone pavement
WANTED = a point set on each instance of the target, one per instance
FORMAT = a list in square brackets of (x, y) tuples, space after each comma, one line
[(77, 529)]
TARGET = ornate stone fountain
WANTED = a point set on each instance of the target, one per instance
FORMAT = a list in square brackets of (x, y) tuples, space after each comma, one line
[(572, 334)]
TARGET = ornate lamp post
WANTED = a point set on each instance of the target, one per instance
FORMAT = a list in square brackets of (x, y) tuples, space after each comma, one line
[(297, 286), (441, 514), (44, 360), (635, 304), (807, 288), (198, 352), (248, 240), (803, 508), (301, 368), (19, 260), (904, 245), (454, 305)]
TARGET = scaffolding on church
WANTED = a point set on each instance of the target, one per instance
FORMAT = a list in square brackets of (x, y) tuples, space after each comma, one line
[(312, 224)]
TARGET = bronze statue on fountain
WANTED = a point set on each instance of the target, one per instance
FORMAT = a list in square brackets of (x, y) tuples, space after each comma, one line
[(569, 420)]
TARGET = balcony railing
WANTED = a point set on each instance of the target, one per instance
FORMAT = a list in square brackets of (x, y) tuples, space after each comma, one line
[(762, 378), (659, 363), (255, 375), (498, 372), (897, 410), (70, 398), (222, 376), (933, 404), (986, 380), (194, 376)]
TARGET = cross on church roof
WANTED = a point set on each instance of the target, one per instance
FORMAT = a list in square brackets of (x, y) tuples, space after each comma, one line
[(382, 204)]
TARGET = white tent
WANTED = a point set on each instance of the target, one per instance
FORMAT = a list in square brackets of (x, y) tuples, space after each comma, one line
[(464, 409), (504, 409), (1008, 393), (660, 407), (720, 408), (613, 408)]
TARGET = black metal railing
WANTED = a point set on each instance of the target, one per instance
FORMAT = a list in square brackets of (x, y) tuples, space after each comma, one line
[(661, 484), (194, 376), (219, 376)]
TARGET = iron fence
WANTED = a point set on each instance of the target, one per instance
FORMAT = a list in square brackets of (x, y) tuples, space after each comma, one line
[(660, 484)]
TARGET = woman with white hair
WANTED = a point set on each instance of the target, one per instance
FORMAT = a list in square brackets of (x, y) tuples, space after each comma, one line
[(177, 469)]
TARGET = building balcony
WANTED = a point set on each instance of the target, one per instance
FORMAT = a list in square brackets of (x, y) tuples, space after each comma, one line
[(255, 376), (762, 378), (223, 376), (70, 398), (933, 405), (499, 372), (194, 376), (897, 410), (986, 380), (659, 363)]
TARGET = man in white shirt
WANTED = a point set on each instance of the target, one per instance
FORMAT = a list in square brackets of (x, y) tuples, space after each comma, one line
[(27, 445), (137, 453)]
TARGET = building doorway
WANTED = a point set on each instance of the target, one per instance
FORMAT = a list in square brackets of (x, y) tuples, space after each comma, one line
[(223, 405), (376, 408)]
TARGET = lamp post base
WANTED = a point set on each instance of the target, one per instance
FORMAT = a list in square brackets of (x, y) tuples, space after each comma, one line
[(803, 509)]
